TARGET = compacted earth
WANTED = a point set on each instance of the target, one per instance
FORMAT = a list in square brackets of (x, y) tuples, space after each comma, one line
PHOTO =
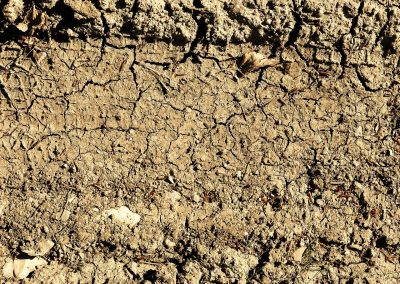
[(205, 141)]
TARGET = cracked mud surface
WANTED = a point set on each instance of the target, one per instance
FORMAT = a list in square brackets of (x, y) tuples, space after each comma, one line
[(288, 174)]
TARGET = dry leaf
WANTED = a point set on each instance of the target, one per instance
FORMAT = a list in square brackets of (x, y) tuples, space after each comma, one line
[(252, 61)]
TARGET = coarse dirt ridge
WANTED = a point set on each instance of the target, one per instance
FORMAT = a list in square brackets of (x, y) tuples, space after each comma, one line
[(204, 141)]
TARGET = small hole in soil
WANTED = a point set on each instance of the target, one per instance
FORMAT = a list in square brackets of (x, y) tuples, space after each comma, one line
[(150, 275), (368, 253), (120, 4), (381, 242), (111, 247)]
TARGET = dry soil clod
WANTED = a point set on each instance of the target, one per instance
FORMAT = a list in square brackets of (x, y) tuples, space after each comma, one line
[(13, 9), (252, 61)]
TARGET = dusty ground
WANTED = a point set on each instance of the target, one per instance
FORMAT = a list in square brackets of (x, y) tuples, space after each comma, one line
[(287, 174)]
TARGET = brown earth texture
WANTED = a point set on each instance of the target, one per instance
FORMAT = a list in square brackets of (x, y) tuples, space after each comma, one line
[(205, 141)]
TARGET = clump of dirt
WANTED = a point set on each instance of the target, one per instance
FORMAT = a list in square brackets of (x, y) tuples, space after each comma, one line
[(199, 142)]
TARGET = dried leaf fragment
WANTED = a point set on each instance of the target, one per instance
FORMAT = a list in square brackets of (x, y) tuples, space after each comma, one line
[(252, 61)]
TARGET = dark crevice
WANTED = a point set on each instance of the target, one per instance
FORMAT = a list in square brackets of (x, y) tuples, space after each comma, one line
[(295, 32), (169, 9), (105, 35), (5, 94), (386, 180), (387, 44), (340, 43), (7, 97), (343, 56), (363, 209), (120, 4), (132, 69), (262, 259), (10, 34), (187, 252), (274, 49), (165, 65), (327, 242), (200, 33), (259, 79), (354, 21), (386, 41), (150, 275), (135, 8), (366, 255), (68, 21), (127, 26), (381, 242), (106, 31)]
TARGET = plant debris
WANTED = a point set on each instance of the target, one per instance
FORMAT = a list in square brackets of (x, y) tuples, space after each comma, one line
[(252, 61)]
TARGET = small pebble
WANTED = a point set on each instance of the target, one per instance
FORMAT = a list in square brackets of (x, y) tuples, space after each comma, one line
[(169, 243), (65, 215), (196, 198)]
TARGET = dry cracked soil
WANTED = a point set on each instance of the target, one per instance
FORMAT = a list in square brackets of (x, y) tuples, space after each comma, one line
[(205, 141)]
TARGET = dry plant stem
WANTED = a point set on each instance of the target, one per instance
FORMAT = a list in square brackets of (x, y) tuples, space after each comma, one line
[(156, 75)]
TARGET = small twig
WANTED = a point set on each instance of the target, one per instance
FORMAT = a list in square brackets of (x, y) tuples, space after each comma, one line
[(65, 203), (157, 76)]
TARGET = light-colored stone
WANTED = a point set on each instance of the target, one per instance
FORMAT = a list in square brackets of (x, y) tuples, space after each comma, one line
[(23, 267), (65, 215), (123, 215), (8, 269), (196, 198), (169, 243)]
